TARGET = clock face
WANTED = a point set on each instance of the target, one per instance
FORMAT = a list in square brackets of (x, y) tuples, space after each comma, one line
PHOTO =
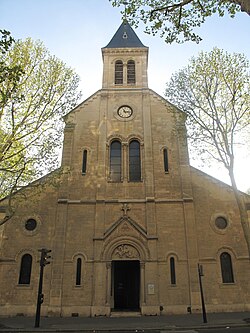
[(125, 111)]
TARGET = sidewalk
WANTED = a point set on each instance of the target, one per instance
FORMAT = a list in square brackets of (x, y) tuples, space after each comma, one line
[(152, 323)]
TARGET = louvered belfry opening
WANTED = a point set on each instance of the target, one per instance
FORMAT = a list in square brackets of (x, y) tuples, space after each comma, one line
[(131, 72), (118, 72)]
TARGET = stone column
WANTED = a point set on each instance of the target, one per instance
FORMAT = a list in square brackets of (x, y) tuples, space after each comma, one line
[(125, 162), (58, 253), (67, 144), (108, 286), (125, 73), (142, 283), (192, 255)]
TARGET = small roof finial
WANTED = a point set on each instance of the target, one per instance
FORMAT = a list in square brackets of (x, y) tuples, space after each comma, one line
[(125, 10)]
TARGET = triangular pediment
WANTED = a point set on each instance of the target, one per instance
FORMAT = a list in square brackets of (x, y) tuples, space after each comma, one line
[(126, 226)]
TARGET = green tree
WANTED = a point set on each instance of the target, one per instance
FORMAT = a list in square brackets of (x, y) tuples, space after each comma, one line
[(213, 90), (176, 20), (37, 89), (10, 73)]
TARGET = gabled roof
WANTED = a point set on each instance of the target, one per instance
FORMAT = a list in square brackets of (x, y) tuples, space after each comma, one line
[(125, 37)]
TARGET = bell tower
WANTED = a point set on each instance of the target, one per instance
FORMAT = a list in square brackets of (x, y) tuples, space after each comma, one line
[(125, 61)]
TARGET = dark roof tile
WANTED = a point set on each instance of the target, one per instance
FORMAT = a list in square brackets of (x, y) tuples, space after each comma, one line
[(125, 37)]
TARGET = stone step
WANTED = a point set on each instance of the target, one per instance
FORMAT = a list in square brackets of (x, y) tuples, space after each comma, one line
[(125, 314)]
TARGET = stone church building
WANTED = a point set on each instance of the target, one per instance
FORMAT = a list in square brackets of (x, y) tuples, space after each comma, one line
[(127, 218)]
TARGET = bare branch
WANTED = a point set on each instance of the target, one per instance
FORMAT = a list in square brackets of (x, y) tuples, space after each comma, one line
[(171, 8)]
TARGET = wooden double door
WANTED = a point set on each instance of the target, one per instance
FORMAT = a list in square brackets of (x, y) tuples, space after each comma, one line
[(126, 284)]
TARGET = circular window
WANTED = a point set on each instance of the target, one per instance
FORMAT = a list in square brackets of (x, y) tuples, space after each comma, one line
[(30, 224), (221, 222)]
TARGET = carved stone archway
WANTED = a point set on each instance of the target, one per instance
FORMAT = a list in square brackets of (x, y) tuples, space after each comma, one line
[(125, 251), (120, 249), (125, 248)]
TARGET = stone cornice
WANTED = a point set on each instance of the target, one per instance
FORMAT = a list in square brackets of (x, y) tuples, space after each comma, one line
[(110, 201), (125, 50)]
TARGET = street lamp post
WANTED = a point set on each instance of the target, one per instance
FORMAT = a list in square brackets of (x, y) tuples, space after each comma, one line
[(200, 272)]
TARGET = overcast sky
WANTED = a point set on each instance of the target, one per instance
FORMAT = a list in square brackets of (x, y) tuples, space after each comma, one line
[(76, 30)]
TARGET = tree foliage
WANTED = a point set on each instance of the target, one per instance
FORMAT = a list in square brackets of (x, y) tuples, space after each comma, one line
[(214, 92), (37, 89), (11, 73), (176, 20)]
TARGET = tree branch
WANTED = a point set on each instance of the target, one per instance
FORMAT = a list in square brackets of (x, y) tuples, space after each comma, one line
[(170, 8)]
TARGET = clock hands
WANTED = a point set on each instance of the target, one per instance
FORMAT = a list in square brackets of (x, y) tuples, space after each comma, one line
[(126, 111)]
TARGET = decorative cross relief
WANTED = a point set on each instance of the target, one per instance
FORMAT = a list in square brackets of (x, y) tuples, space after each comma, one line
[(125, 208), (125, 251)]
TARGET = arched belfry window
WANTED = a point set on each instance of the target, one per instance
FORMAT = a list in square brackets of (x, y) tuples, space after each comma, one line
[(25, 269), (131, 72), (115, 161), (118, 72), (226, 268), (134, 161)]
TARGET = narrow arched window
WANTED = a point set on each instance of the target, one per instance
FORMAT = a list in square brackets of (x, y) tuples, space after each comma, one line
[(115, 161), (84, 161), (118, 72), (78, 271), (165, 159), (25, 269), (172, 271), (134, 161), (226, 268), (131, 72)]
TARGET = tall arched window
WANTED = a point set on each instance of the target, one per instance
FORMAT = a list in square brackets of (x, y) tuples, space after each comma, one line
[(78, 272), (118, 72), (134, 161), (226, 268), (25, 269), (172, 271), (115, 161), (165, 159), (131, 72), (84, 161)]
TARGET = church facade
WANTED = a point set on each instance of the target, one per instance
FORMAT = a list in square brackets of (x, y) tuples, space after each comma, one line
[(127, 219)]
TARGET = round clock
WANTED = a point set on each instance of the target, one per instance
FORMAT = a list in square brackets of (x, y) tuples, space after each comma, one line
[(125, 111)]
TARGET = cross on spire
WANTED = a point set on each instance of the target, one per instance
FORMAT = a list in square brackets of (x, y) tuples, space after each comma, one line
[(125, 7)]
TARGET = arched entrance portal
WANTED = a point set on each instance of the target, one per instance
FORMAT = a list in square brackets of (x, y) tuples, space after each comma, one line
[(126, 284), (125, 261)]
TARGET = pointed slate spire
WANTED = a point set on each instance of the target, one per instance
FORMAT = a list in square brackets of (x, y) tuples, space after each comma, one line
[(125, 37)]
